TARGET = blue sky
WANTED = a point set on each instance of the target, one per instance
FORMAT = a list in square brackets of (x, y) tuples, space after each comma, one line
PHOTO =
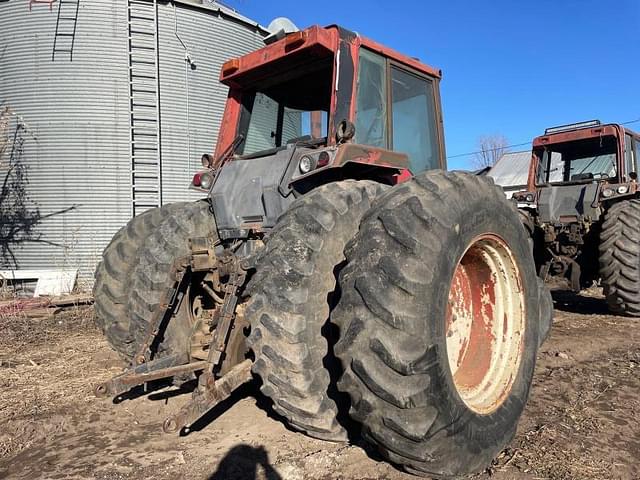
[(509, 67)]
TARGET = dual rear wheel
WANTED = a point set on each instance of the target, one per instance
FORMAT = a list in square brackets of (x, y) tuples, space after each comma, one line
[(422, 301), (439, 324)]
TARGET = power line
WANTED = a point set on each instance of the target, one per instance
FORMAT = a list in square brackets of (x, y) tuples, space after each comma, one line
[(517, 144), (489, 150)]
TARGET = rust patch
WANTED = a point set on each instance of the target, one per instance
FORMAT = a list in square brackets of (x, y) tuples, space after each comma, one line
[(484, 323), (480, 288)]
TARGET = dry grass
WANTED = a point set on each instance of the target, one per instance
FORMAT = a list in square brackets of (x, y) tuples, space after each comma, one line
[(44, 372), (579, 420)]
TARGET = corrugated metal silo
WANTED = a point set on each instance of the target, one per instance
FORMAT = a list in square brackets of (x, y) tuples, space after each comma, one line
[(76, 108)]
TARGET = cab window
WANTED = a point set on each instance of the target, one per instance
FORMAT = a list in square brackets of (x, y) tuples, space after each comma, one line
[(396, 109), (413, 120), (371, 104), (628, 155)]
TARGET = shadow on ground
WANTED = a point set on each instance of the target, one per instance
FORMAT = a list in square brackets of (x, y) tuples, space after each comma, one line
[(571, 302), (242, 463)]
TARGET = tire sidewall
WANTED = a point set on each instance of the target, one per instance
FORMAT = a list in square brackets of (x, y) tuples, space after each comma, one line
[(454, 413)]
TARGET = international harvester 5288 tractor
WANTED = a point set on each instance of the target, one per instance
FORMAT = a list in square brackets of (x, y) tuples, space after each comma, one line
[(582, 209), (333, 255)]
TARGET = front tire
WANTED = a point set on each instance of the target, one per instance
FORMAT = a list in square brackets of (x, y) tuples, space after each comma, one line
[(439, 324), (620, 258), (291, 295)]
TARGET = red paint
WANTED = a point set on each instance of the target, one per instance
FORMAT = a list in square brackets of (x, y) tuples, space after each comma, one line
[(473, 286), (312, 38), (401, 58), (403, 176)]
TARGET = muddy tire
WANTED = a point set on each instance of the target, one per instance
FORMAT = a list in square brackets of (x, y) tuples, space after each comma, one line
[(438, 323), (113, 276), (620, 258), (150, 278), (291, 295)]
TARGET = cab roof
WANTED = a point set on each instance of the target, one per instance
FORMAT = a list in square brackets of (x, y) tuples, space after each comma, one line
[(299, 46), (577, 131)]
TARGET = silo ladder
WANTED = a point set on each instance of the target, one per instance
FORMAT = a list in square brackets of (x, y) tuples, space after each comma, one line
[(65, 28), (144, 107)]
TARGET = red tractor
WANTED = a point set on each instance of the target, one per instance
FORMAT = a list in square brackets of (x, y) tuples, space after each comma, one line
[(334, 255), (582, 209)]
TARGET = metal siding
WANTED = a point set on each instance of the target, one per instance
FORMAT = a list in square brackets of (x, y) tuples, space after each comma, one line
[(211, 40), (79, 112), (512, 169)]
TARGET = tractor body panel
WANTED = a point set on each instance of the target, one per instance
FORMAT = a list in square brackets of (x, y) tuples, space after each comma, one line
[(563, 204), (246, 194)]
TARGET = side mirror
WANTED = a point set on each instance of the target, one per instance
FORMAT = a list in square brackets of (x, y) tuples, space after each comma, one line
[(345, 131)]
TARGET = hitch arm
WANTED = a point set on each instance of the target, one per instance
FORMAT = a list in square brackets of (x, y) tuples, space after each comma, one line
[(162, 367)]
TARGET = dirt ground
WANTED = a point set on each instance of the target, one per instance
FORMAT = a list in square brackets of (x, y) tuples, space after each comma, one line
[(582, 420)]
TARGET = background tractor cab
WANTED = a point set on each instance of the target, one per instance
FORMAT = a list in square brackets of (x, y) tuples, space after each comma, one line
[(319, 105), (577, 173), (587, 161)]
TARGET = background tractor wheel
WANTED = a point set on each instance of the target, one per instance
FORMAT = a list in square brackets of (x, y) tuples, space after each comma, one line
[(150, 278), (620, 258), (291, 296), (439, 323), (113, 278)]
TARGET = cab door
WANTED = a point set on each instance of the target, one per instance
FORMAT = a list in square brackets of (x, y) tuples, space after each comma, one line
[(414, 123), (398, 109), (630, 158)]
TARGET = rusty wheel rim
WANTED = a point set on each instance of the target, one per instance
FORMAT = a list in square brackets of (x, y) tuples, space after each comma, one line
[(485, 324)]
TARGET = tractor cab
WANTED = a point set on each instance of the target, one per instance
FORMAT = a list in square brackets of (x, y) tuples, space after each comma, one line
[(316, 106), (578, 173), (575, 168)]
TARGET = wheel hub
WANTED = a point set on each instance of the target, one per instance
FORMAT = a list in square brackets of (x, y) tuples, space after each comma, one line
[(485, 324)]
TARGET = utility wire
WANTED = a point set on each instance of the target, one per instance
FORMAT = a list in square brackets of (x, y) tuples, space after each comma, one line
[(488, 150), (517, 144)]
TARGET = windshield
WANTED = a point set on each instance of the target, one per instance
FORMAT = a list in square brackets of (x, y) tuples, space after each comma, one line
[(290, 107), (577, 161)]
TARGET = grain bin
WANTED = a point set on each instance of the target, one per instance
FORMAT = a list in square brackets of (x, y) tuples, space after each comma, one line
[(108, 108)]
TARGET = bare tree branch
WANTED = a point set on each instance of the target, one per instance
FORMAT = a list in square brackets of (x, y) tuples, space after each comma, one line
[(19, 216), (491, 148)]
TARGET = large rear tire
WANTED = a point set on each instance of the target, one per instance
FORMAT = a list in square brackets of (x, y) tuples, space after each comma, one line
[(620, 258), (439, 323), (151, 278), (113, 277), (291, 295)]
